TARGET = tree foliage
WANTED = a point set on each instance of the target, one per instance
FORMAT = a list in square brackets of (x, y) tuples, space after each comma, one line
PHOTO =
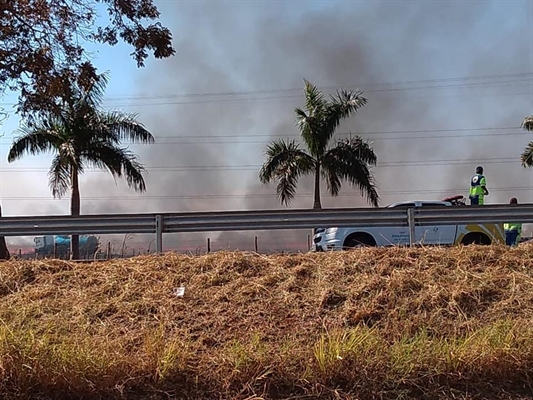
[(527, 155), (42, 44), (3, 117), (84, 136), (348, 159)]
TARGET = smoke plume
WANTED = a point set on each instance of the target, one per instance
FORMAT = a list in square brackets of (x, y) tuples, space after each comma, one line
[(405, 57)]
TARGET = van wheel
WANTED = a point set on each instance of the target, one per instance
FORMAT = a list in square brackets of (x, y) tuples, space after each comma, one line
[(359, 240)]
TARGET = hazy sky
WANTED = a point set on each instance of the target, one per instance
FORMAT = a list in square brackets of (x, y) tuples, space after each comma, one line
[(448, 84)]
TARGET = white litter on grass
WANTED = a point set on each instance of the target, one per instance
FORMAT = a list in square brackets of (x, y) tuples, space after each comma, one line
[(180, 292)]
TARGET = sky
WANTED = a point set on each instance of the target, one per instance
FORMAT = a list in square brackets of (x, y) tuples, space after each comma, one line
[(447, 82)]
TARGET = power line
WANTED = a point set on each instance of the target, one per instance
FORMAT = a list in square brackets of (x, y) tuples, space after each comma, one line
[(299, 89), (489, 128), (360, 132), (460, 85), (354, 133), (274, 137), (256, 167), (172, 103), (342, 135), (254, 196), (524, 77)]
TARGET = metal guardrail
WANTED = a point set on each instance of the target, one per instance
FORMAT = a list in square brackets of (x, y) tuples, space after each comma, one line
[(262, 220), (474, 214)]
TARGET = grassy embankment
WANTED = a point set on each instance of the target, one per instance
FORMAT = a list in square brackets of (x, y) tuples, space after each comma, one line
[(372, 323)]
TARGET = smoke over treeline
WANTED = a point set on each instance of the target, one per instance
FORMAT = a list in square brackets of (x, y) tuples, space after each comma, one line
[(403, 55)]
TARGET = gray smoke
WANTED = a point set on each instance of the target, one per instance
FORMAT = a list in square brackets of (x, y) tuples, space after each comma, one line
[(256, 46)]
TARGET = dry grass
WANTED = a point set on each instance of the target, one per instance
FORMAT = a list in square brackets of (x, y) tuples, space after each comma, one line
[(372, 323)]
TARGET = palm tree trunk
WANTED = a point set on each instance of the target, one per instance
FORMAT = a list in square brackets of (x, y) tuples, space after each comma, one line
[(317, 204), (75, 211), (4, 252)]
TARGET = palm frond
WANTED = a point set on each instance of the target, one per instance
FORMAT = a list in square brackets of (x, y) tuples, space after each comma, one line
[(342, 106), (120, 162), (285, 163), (119, 126), (309, 125), (527, 156), (95, 94), (133, 171), (322, 117), (361, 148), (302, 119), (527, 123), (330, 174), (314, 98), (310, 121), (59, 178), (350, 161), (41, 137)]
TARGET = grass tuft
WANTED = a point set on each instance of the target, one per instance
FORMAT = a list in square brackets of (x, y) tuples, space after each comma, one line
[(428, 323)]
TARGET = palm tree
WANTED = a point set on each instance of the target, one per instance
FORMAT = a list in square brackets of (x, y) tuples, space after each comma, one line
[(80, 135), (527, 155), (348, 160)]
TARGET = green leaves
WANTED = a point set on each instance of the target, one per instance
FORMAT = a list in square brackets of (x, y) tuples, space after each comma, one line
[(119, 162), (118, 126), (59, 175), (81, 134), (527, 155), (342, 106), (527, 123), (321, 117), (349, 160), (286, 162), (43, 137)]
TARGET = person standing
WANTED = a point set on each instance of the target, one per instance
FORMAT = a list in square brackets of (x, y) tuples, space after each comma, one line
[(513, 230), (478, 188)]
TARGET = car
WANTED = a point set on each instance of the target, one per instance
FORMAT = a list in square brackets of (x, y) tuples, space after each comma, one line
[(340, 238)]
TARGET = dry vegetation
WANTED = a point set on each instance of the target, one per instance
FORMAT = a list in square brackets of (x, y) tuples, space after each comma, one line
[(372, 323)]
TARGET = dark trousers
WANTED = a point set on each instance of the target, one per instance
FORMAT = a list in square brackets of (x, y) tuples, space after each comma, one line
[(475, 200), (510, 237)]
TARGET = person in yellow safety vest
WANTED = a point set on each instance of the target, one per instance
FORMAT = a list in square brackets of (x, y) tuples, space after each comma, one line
[(478, 188), (513, 230)]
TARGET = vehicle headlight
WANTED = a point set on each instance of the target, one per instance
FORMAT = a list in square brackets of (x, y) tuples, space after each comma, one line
[(331, 230)]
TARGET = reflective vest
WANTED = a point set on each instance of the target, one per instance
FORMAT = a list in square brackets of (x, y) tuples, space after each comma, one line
[(510, 226), (476, 183)]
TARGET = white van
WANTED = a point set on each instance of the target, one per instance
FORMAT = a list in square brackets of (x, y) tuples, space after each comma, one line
[(336, 238)]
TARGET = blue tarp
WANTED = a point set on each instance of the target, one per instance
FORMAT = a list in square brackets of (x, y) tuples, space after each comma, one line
[(65, 240)]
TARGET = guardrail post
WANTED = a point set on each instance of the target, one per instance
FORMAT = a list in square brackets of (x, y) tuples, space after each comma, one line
[(411, 223), (159, 234)]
